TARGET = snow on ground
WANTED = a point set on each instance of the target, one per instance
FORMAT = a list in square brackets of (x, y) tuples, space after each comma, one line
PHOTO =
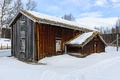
[(102, 66), (5, 53)]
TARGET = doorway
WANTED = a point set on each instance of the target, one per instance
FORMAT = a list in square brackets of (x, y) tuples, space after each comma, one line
[(95, 45)]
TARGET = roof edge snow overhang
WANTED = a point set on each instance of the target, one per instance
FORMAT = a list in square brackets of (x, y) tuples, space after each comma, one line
[(88, 40), (45, 21)]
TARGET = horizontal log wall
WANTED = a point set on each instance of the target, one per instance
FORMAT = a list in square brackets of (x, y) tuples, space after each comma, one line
[(45, 36)]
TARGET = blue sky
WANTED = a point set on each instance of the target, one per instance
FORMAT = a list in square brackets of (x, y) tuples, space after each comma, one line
[(80, 8)]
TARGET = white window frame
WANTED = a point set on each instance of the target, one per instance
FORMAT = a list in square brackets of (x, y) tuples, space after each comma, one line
[(58, 45)]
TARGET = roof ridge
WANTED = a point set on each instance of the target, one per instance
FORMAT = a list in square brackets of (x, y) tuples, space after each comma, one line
[(66, 23)]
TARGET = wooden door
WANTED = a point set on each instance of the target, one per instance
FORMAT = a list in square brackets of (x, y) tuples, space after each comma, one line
[(95, 46)]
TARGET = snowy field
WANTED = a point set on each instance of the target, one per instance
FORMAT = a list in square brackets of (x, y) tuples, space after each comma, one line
[(103, 66)]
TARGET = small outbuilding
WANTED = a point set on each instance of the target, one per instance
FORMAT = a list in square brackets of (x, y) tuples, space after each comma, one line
[(86, 43), (6, 33), (35, 35)]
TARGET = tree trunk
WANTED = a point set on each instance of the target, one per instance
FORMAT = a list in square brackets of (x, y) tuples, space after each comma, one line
[(117, 41)]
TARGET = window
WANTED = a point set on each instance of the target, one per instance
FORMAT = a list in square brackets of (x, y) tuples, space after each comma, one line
[(22, 35), (58, 45)]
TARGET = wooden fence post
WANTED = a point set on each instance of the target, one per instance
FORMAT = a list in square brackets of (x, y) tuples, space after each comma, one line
[(7, 46), (117, 42)]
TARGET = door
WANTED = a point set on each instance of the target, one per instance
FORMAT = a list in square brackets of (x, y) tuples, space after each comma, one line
[(58, 45), (95, 46)]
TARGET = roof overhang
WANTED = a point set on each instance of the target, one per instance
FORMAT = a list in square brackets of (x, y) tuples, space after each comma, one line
[(74, 45), (88, 40), (45, 21)]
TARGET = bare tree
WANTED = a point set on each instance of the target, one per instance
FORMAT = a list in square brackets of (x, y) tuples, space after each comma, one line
[(68, 17), (9, 8), (31, 5), (117, 26), (18, 5), (113, 30), (101, 29), (5, 9)]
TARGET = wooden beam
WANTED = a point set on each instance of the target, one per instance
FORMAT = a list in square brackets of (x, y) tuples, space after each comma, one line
[(65, 49)]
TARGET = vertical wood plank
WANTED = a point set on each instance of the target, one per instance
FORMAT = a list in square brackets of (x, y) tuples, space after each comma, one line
[(46, 35)]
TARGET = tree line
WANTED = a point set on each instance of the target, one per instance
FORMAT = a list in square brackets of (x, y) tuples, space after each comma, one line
[(109, 34), (110, 30)]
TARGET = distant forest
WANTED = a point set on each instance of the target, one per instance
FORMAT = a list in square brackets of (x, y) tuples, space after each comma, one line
[(110, 34)]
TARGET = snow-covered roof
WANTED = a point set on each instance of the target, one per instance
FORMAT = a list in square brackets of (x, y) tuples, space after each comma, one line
[(52, 20), (83, 39)]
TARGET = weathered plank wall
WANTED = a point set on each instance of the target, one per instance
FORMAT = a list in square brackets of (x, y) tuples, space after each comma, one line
[(101, 46), (45, 36), (29, 39), (88, 48), (73, 49)]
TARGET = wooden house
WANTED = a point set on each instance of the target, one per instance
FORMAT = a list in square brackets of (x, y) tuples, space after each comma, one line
[(87, 43), (36, 35), (6, 33)]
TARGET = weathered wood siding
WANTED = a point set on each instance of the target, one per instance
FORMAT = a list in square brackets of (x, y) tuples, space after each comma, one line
[(29, 39), (88, 48), (74, 49), (45, 36)]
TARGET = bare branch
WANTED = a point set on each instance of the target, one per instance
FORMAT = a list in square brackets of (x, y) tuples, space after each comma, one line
[(31, 5)]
